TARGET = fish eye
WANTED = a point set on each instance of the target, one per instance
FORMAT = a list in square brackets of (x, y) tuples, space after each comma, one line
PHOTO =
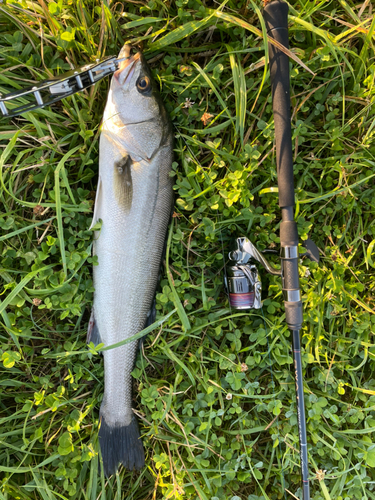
[(144, 84)]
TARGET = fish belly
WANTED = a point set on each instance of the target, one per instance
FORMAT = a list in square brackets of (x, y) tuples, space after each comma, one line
[(129, 248)]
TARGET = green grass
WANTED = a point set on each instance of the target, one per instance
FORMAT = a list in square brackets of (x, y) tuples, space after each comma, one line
[(214, 388)]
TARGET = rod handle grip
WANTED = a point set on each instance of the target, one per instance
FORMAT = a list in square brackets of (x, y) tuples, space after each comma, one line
[(276, 15), (276, 18)]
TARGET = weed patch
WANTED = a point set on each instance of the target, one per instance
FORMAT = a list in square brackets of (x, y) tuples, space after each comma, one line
[(213, 388)]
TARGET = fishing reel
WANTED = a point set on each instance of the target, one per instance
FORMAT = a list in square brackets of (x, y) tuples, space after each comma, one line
[(242, 281)]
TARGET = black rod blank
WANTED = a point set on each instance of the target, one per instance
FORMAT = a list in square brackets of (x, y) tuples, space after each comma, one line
[(301, 414)]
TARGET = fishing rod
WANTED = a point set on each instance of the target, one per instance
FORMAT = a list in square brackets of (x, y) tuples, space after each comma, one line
[(242, 279), (276, 18)]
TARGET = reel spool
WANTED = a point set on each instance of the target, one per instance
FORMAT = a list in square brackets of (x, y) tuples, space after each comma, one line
[(242, 281), (243, 286)]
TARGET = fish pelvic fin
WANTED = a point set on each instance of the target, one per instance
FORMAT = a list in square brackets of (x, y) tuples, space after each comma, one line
[(120, 444), (93, 334), (98, 204)]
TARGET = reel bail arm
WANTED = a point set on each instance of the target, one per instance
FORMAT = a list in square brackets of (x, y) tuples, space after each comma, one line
[(245, 250)]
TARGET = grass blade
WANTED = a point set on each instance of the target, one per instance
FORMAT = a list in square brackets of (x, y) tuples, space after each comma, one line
[(60, 226), (176, 300)]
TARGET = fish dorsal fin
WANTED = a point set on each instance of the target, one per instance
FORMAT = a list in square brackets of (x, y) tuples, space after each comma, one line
[(123, 183), (98, 204)]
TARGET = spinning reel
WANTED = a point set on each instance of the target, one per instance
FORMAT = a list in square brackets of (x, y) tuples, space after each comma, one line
[(242, 281)]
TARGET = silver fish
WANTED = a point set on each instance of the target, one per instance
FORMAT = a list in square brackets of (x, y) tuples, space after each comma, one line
[(134, 201)]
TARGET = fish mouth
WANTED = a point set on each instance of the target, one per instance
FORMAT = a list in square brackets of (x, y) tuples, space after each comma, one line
[(127, 67)]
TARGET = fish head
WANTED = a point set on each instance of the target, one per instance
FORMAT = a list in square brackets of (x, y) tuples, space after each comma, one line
[(134, 93)]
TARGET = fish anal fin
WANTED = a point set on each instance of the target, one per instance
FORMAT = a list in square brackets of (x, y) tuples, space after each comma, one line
[(93, 334), (151, 317), (123, 183), (98, 204)]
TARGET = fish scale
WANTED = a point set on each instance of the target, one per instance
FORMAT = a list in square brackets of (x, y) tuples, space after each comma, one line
[(134, 200)]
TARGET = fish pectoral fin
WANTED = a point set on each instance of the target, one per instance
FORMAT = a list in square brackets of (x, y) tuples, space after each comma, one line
[(123, 183), (98, 204), (93, 334)]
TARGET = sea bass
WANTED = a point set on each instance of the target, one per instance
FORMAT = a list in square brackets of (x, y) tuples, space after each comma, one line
[(134, 201)]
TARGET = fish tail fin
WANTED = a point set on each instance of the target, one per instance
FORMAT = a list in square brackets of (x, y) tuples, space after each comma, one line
[(120, 444)]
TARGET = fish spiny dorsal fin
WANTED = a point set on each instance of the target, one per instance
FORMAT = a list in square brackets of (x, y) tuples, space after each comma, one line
[(122, 183)]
